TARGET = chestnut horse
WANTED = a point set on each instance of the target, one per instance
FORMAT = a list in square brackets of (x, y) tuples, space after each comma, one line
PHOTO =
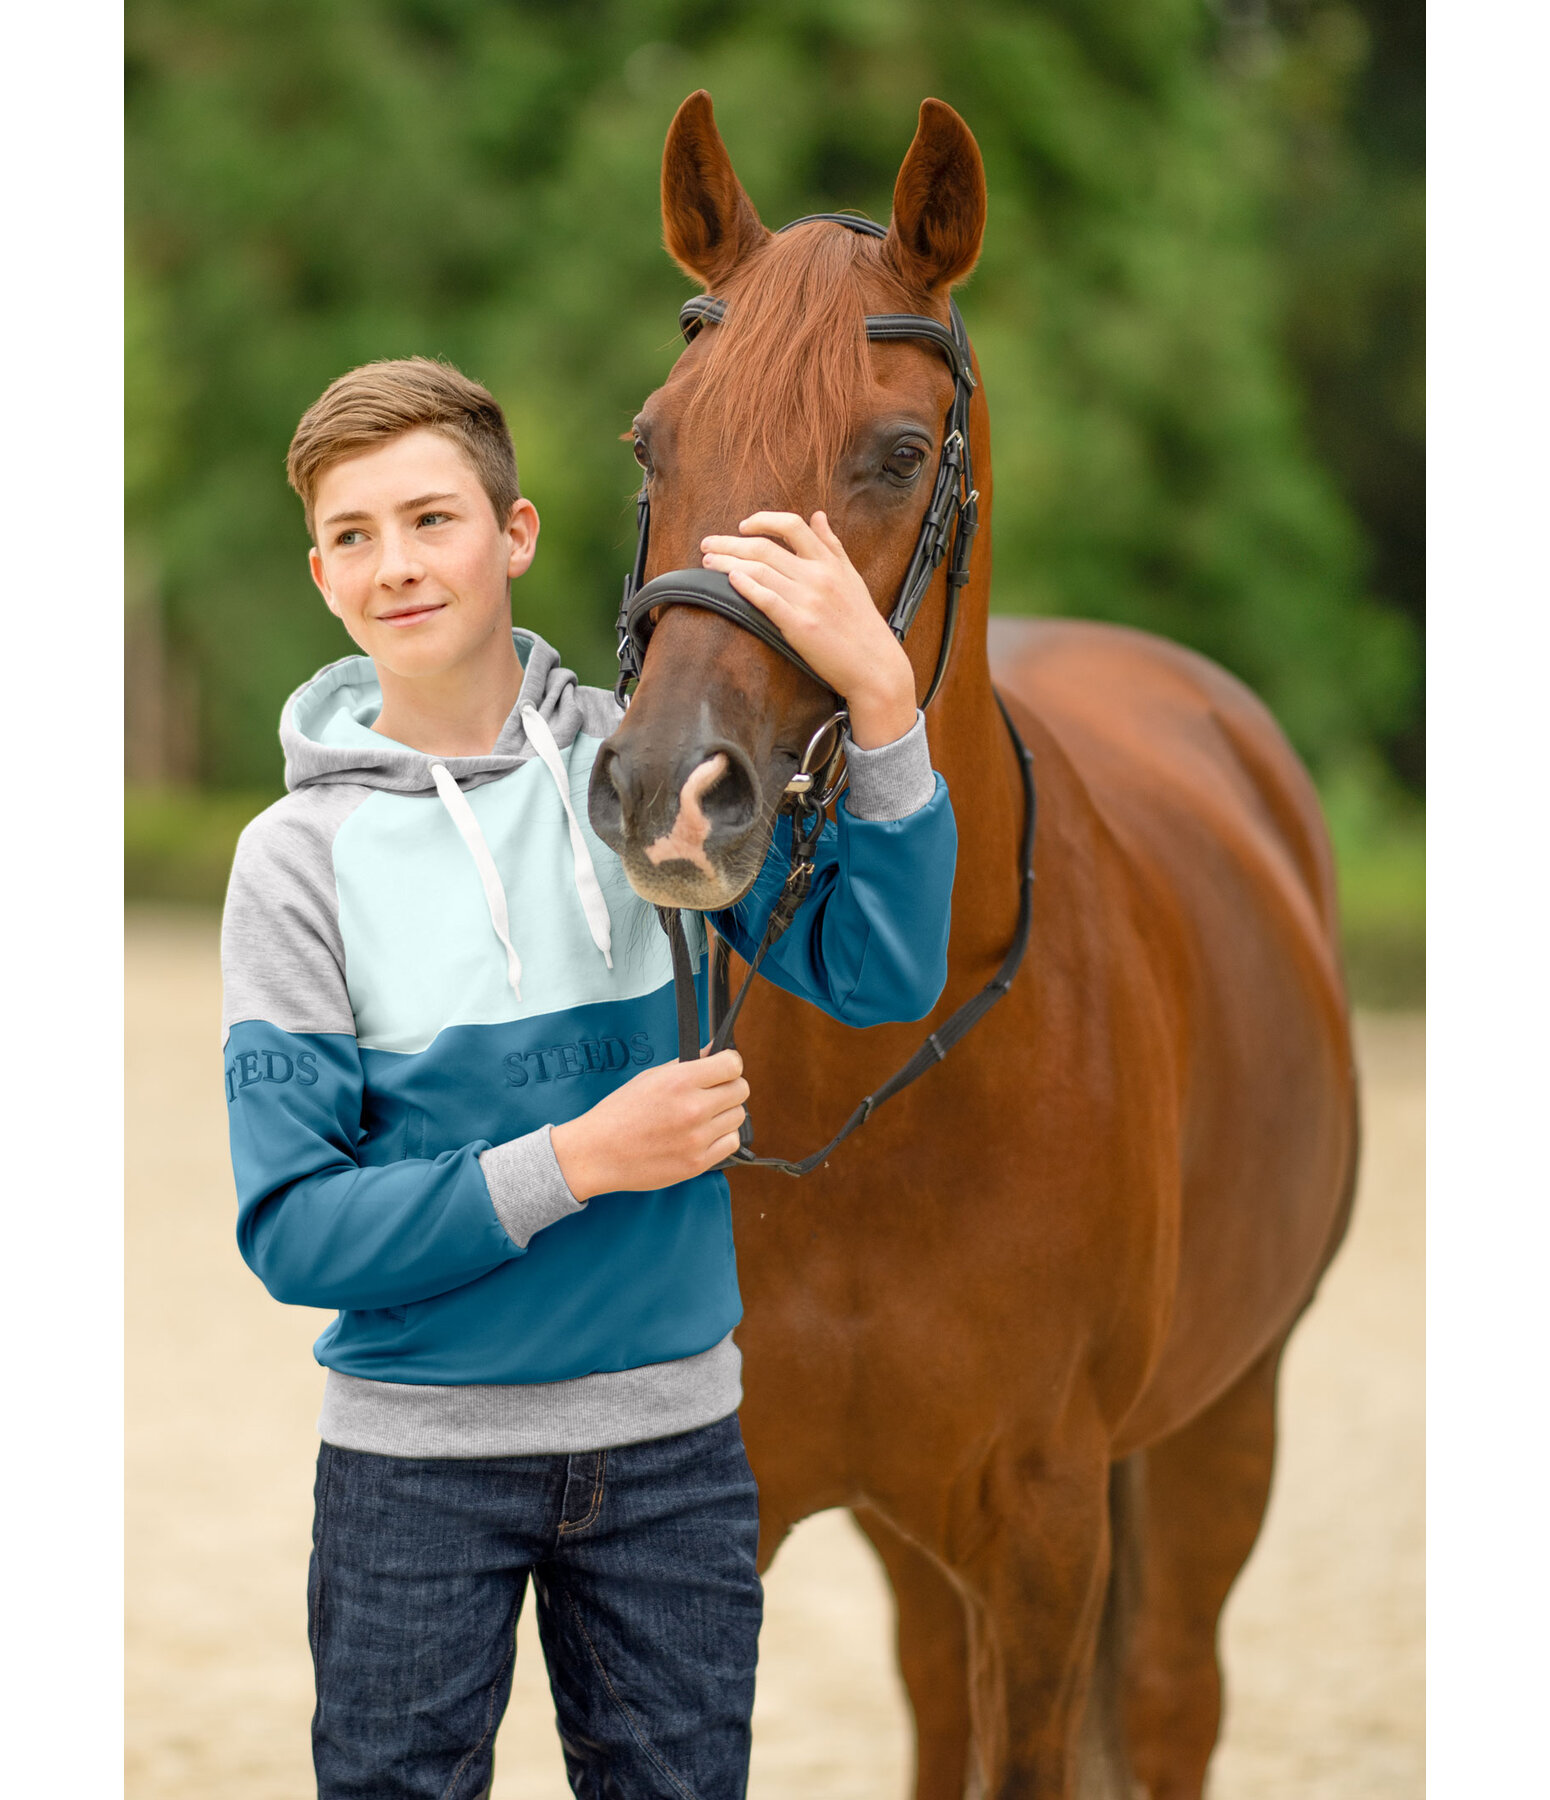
[(1027, 1324)]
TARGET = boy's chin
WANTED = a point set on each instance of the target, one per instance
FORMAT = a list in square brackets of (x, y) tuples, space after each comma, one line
[(426, 655), (409, 667)]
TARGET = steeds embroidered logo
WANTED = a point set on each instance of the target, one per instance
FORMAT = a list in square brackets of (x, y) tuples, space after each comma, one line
[(270, 1065), (586, 1056), (558, 1062)]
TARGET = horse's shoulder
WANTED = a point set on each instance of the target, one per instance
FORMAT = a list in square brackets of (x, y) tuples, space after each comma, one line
[(1163, 737)]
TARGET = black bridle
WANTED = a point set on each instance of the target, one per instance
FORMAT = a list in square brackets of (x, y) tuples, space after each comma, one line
[(954, 505), (953, 509)]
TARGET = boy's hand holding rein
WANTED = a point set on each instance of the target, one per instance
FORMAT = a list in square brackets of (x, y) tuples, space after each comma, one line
[(810, 590), (667, 1125)]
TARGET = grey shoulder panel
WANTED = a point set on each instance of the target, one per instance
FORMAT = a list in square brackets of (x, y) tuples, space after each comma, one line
[(282, 958), (601, 713)]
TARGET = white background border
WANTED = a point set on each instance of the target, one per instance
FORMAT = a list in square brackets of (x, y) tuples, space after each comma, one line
[(61, 914), (1489, 898), (1488, 866)]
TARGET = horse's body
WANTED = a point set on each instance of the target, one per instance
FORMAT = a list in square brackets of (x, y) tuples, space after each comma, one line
[(1079, 1244)]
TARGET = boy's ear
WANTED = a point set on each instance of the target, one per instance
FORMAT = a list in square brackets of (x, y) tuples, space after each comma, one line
[(522, 535), (315, 564), (708, 222)]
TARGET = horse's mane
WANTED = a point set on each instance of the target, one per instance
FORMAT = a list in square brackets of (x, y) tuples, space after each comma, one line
[(776, 389)]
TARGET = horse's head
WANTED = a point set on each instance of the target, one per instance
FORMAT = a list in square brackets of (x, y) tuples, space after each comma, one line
[(787, 405)]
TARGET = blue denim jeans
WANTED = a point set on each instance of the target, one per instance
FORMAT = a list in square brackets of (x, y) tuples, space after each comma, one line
[(642, 1562)]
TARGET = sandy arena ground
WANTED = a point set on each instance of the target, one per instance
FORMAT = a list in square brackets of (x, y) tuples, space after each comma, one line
[(1324, 1645)]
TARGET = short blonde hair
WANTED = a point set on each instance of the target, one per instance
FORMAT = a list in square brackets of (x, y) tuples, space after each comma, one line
[(382, 400)]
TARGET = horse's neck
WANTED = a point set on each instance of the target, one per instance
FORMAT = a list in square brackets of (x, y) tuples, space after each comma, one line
[(972, 750), (970, 745)]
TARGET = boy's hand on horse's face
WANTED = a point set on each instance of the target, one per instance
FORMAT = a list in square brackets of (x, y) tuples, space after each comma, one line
[(808, 587), (666, 1125)]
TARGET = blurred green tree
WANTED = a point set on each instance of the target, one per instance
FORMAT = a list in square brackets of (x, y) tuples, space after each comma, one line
[(1348, 83), (316, 185)]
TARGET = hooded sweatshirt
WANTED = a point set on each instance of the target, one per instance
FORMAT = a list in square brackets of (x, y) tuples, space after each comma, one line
[(429, 962)]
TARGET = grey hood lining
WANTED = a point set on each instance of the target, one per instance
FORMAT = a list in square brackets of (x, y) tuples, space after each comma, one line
[(547, 686)]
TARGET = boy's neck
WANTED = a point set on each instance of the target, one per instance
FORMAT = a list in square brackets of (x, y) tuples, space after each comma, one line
[(459, 712)]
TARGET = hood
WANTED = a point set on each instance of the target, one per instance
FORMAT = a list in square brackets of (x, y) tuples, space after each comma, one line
[(325, 730), (326, 734)]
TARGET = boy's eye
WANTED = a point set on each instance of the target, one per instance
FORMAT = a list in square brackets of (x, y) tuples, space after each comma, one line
[(346, 538), (434, 518)]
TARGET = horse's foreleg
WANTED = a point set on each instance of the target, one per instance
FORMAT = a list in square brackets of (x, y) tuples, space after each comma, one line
[(1206, 1492), (1036, 1573), (933, 1658)]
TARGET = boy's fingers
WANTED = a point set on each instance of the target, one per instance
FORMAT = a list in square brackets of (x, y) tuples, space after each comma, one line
[(756, 552), (753, 547), (791, 526), (827, 534), (778, 580), (752, 588)]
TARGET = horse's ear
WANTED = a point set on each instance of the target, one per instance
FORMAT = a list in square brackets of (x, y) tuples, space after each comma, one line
[(938, 202), (708, 222)]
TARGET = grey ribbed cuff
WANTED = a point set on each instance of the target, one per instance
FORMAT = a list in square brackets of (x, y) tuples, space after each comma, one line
[(526, 1185), (893, 780)]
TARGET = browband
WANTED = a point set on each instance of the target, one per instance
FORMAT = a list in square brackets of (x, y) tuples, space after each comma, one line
[(705, 309)]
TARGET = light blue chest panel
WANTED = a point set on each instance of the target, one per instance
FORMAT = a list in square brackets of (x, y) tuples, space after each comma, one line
[(420, 951)]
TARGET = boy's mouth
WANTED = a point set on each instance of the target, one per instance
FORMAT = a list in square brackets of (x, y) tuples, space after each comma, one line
[(411, 615)]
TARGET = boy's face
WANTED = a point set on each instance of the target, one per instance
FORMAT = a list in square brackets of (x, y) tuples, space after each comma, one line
[(412, 559)]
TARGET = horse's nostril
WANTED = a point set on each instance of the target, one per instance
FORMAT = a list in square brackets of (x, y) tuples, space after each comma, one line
[(688, 807), (606, 795), (731, 802)]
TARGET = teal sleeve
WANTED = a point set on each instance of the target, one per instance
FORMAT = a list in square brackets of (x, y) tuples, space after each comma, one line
[(869, 944), (316, 1226)]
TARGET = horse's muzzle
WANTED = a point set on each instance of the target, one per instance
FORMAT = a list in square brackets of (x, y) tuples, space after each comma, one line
[(690, 828)]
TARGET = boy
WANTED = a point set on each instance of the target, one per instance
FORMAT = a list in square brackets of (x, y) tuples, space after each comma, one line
[(457, 1117)]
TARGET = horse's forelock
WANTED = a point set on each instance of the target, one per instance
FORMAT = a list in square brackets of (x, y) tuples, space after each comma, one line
[(776, 389)]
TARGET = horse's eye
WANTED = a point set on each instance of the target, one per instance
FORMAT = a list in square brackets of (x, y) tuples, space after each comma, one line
[(642, 454), (905, 462)]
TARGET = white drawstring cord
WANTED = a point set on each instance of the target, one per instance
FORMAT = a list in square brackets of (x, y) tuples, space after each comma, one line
[(588, 887), (456, 803)]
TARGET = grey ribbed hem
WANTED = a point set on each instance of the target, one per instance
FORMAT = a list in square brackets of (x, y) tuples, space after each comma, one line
[(526, 1185), (893, 780), (593, 1412)]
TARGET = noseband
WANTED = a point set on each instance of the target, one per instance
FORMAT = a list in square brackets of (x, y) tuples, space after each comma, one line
[(954, 508)]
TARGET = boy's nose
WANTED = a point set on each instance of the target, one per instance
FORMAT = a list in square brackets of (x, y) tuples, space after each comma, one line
[(397, 563)]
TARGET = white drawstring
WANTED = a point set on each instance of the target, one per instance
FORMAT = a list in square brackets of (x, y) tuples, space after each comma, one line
[(588, 887), (456, 803)]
